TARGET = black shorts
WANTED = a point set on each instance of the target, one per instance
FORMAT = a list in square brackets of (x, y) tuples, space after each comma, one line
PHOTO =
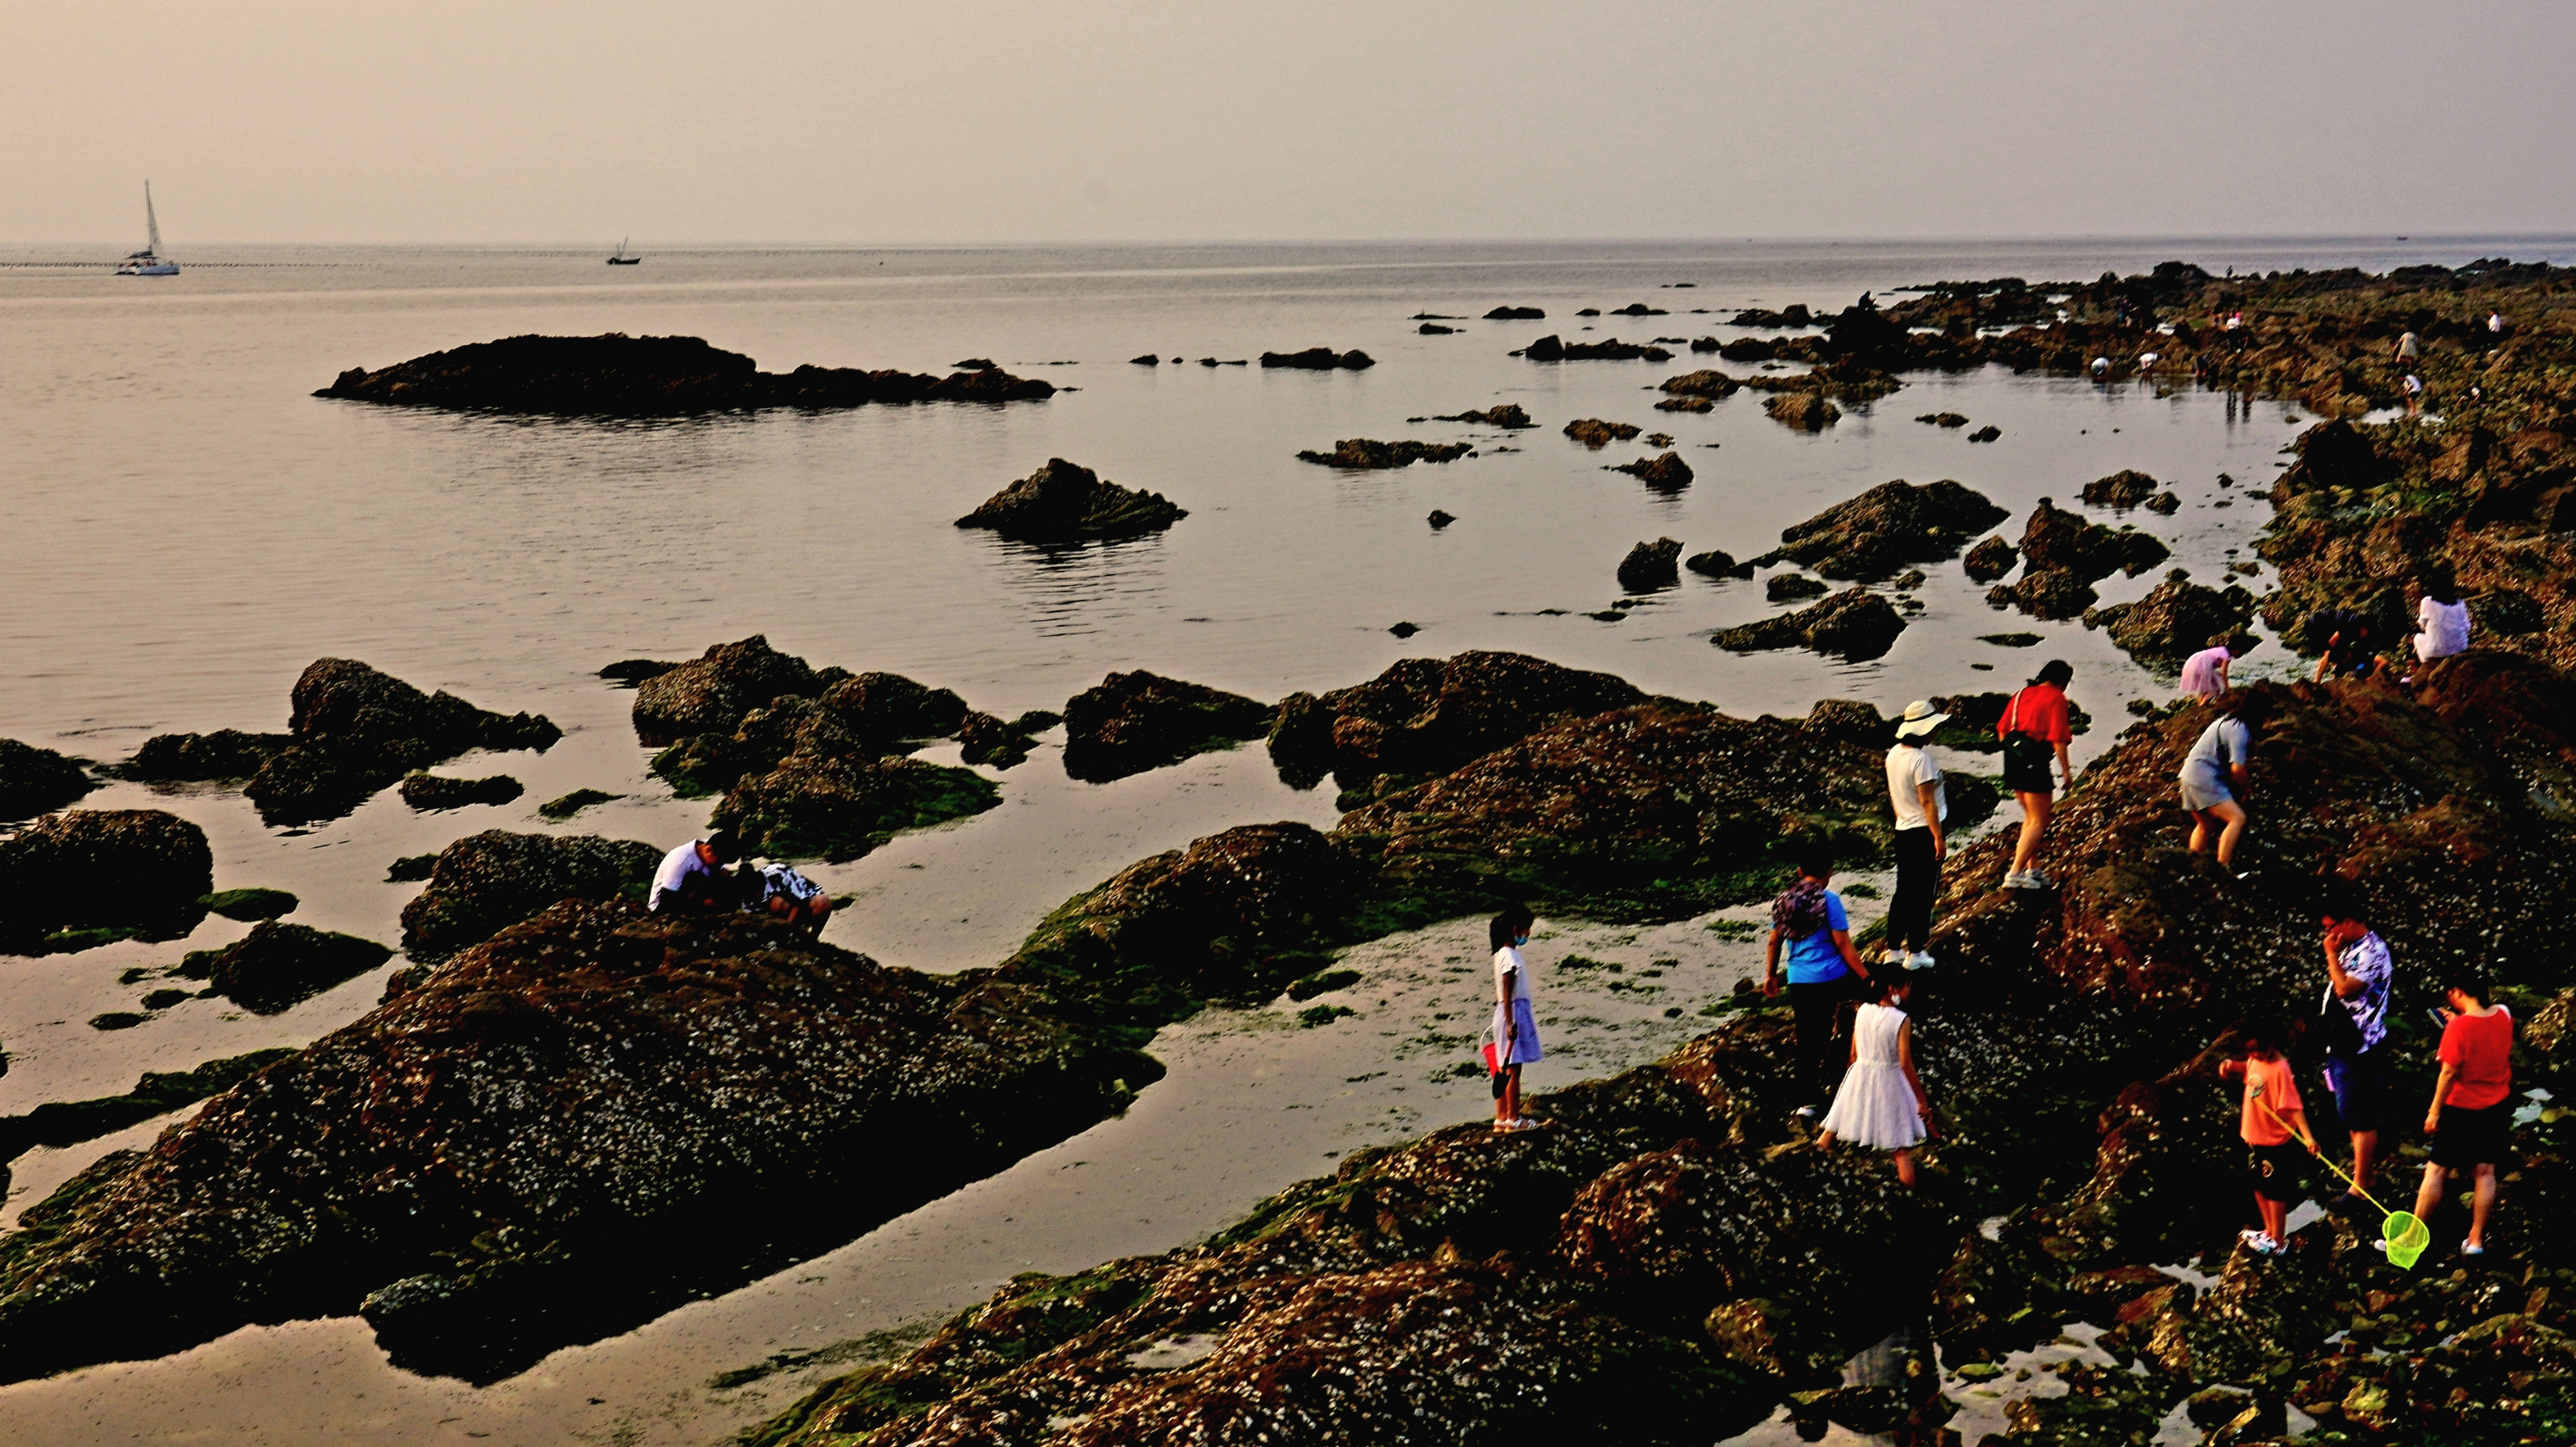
[(2280, 1172), (2360, 1086), (2026, 769), (2465, 1138)]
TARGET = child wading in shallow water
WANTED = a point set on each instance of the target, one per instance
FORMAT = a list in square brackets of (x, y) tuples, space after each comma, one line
[(1881, 1103), (2271, 1114), (1515, 1028)]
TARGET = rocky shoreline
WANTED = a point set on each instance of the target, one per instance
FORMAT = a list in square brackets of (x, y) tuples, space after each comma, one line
[(621, 376)]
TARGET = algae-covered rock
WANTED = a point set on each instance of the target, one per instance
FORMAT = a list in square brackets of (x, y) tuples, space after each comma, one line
[(1872, 536), (1803, 411), (427, 792), (1789, 587), (1855, 623), (998, 742), (60, 1123), (37, 781), (1063, 503), (2127, 488), (839, 804), (1132, 722), (95, 875), (710, 694), (1596, 434), (1651, 566), (486, 882), (2174, 621), (1990, 559), (565, 806), (1368, 454), (250, 904), (1426, 716), (1705, 383), (278, 966), (225, 754)]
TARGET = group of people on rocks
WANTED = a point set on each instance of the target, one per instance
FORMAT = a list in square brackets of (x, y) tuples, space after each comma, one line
[(694, 880)]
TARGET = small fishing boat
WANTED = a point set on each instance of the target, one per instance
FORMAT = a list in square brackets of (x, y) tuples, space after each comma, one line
[(148, 261), (621, 258)]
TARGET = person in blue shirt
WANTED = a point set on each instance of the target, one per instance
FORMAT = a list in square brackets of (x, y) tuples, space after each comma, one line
[(1809, 925)]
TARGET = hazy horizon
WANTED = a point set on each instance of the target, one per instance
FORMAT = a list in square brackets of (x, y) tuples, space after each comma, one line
[(995, 124)]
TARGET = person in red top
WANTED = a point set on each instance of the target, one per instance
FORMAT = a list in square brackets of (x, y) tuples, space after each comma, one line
[(2471, 1119), (2270, 1120), (2033, 725)]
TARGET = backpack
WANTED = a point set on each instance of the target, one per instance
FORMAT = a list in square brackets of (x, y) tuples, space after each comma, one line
[(1801, 911)]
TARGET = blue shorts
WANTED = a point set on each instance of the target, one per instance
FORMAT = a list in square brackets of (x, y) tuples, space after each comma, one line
[(1521, 1048), (2360, 1086)]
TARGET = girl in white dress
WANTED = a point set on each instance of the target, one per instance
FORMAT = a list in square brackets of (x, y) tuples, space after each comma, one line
[(1881, 1103)]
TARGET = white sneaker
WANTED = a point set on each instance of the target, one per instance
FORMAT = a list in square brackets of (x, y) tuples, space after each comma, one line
[(1919, 960), (1892, 958), (2021, 879), (2259, 1242), (2033, 879)]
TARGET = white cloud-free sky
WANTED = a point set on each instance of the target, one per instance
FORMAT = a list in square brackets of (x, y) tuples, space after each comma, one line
[(469, 121)]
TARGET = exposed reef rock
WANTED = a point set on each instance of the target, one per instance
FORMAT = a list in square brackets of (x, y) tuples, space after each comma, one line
[(2175, 621), (484, 883), (279, 966), (37, 781), (1707, 384), (712, 692), (1596, 434), (90, 876), (1555, 349), (1516, 314), (565, 806), (1789, 587), (619, 375), (250, 904), (1002, 743), (353, 731), (1856, 624), (1368, 453), (2124, 489), (1874, 535), (1666, 473), (60, 1123), (1501, 414), (1944, 419), (1426, 716), (1717, 564), (1794, 315), (1991, 559), (2063, 555), (1137, 721), (1987, 433), (431, 791), (1651, 566), (1805, 411), (1320, 359), (1062, 503)]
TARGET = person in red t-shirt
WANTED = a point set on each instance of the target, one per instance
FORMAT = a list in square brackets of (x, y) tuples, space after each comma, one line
[(2270, 1121), (2033, 726), (2471, 1120)]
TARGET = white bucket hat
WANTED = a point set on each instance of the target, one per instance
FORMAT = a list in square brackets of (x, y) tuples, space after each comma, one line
[(1920, 719)]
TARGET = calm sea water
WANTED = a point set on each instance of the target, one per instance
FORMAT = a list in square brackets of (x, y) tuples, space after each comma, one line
[(183, 528)]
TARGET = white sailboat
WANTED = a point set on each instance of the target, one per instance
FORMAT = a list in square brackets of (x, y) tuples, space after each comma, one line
[(148, 261)]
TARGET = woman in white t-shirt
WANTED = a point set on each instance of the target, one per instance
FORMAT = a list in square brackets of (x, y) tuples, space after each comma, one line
[(2441, 620), (1515, 1028)]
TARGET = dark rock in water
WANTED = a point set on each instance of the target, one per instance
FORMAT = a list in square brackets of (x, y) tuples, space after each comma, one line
[(1147, 360), (484, 883), (2057, 539), (2163, 502), (567, 805), (829, 799), (1440, 519), (619, 375), (96, 875), (1715, 564), (1062, 503), (1793, 316), (1501, 414), (1552, 348), (1404, 630), (1806, 411), (1753, 349), (1367, 453), (1707, 383), (250, 904), (2176, 620), (483, 1158), (1789, 587), (1651, 566), (1320, 359), (411, 868), (1658, 439), (1434, 329), (992, 741), (1871, 536), (1426, 716), (278, 966), (60, 1123), (1856, 624), (973, 364), (2046, 593), (1943, 419), (1137, 721), (225, 754), (1686, 404), (1666, 474), (431, 791), (2012, 640), (2124, 489), (1987, 433), (1638, 309), (37, 781), (1705, 344), (1515, 314), (117, 1020), (710, 693), (1596, 434), (1991, 559), (632, 671), (888, 709)]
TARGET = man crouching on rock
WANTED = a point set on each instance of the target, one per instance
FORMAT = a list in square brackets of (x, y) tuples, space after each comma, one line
[(692, 878)]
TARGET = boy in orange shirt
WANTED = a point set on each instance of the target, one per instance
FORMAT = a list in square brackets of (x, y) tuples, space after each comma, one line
[(2271, 1122)]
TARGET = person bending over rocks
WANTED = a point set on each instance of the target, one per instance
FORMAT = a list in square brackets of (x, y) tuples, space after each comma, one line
[(2348, 652), (787, 896), (1881, 1103), (2204, 674), (692, 878), (2270, 1122), (1515, 1026), (2441, 619), (2353, 1018), (2214, 782), (2471, 1119), (1810, 922), (2035, 727), (1915, 792)]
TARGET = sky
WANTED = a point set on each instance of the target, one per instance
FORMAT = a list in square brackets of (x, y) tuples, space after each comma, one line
[(972, 121)]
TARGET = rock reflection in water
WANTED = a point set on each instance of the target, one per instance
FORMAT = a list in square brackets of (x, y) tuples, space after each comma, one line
[(1070, 590)]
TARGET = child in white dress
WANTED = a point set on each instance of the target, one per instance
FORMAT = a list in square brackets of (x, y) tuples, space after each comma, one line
[(1881, 1103)]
